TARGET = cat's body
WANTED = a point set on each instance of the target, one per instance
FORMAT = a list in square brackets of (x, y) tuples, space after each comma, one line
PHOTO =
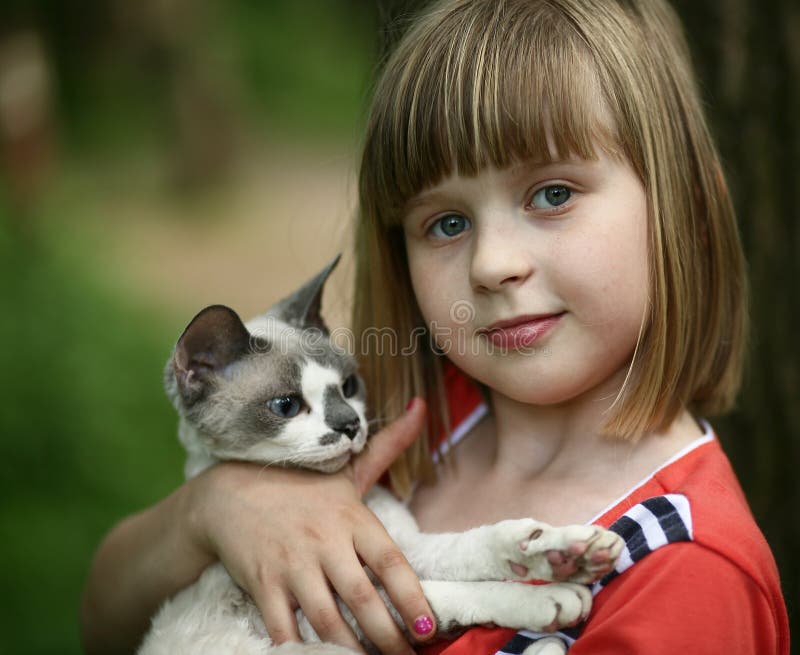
[(278, 392)]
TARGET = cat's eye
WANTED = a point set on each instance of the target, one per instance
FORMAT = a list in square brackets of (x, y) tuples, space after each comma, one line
[(285, 406), (350, 386)]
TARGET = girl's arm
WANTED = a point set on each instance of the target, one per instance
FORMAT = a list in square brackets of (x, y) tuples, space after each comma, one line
[(145, 559), (285, 536)]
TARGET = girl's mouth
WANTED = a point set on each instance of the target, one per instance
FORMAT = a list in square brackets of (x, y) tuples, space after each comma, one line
[(520, 332)]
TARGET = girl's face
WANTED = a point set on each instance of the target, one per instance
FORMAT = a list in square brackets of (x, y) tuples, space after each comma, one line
[(558, 249)]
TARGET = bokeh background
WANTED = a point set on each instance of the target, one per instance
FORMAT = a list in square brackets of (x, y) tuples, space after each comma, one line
[(157, 156)]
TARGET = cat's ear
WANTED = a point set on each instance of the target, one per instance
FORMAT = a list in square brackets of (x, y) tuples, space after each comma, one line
[(302, 308), (215, 338)]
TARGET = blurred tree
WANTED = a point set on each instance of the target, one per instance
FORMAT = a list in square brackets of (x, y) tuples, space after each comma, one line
[(749, 64), (128, 68), (27, 139)]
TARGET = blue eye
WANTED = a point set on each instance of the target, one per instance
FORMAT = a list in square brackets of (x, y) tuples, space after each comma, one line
[(285, 406), (551, 196), (449, 226)]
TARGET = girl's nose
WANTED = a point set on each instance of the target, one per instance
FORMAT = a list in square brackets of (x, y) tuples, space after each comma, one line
[(499, 260)]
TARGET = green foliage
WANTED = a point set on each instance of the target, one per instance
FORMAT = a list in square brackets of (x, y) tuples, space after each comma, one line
[(306, 65), (88, 435)]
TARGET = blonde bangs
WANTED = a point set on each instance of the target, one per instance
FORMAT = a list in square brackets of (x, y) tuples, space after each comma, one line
[(487, 88)]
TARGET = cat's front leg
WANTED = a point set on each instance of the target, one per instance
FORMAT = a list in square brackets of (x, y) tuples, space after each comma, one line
[(522, 549), (507, 604)]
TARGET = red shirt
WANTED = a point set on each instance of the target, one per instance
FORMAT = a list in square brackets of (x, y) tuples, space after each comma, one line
[(696, 577)]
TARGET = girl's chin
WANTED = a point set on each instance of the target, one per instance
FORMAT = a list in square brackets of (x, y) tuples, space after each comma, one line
[(528, 387)]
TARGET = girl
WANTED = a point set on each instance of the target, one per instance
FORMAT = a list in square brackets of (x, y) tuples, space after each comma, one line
[(539, 198)]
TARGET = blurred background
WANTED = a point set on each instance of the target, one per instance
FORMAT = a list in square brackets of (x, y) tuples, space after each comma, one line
[(157, 156)]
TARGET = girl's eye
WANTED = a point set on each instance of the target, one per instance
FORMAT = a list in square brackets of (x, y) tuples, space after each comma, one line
[(551, 196), (350, 386), (449, 226), (285, 406)]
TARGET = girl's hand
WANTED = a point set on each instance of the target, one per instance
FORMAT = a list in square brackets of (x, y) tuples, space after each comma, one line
[(288, 536)]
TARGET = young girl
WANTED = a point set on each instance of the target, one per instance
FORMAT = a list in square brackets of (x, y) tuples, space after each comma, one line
[(541, 203)]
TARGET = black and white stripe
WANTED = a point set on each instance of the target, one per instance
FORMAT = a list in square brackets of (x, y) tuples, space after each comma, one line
[(645, 527)]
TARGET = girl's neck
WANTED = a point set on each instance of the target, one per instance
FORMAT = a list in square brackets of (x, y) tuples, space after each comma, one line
[(547, 462), (566, 440)]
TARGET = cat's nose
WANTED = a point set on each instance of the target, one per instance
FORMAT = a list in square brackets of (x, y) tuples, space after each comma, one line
[(350, 429)]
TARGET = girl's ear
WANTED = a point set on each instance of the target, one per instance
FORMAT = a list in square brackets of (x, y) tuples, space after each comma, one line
[(215, 338)]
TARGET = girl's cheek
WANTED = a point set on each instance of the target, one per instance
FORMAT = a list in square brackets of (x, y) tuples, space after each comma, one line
[(422, 282)]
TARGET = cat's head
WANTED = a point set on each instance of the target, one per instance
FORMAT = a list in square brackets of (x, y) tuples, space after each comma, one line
[(274, 391)]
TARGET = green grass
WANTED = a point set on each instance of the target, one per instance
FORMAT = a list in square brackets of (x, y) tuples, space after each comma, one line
[(87, 433)]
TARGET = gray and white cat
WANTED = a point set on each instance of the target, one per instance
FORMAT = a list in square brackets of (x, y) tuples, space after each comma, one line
[(277, 391)]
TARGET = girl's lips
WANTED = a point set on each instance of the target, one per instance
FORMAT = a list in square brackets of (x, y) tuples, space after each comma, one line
[(520, 332)]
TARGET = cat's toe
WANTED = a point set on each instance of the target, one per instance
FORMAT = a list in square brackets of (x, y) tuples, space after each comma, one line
[(599, 558), (570, 605)]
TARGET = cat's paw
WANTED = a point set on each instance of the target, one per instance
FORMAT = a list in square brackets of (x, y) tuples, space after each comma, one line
[(585, 559), (563, 605), (574, 553)]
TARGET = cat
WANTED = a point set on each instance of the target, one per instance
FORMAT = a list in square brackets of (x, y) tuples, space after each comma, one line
[(277, 391)]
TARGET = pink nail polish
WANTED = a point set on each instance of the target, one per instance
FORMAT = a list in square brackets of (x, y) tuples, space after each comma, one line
[(410, 404), (423, 625)]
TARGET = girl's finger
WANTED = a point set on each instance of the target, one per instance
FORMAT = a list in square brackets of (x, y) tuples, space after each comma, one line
[(317, 602), (387, 445), (274, 603), (369, 610), (401, 583)]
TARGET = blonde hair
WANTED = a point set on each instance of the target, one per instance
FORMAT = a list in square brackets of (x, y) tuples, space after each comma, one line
[(475, 83)]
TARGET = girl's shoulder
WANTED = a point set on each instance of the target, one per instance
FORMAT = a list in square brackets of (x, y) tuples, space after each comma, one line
[(696, 571), (695, 497)]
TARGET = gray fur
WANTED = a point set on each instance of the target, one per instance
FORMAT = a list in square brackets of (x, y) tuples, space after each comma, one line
[(338, 413)]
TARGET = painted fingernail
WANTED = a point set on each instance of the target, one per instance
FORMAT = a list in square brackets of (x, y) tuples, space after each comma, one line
[(410, 403), (423, 625)]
